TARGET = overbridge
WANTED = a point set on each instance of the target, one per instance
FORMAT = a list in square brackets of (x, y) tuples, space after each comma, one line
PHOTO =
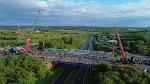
[(76, 56), (84, 55)]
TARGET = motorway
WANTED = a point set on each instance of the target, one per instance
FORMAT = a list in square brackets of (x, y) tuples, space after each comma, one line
[(83, 70), (82, 74), (88, 45), (63, 76)]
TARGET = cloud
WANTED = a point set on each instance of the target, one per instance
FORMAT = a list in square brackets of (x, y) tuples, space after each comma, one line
[(69, 12), (69, 7)]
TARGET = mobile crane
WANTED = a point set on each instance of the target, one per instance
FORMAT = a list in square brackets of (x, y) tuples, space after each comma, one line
[(26, 46), (123, 56), (122, 51)]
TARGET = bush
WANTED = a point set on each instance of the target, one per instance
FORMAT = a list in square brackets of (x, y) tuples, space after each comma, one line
[(108, 74)]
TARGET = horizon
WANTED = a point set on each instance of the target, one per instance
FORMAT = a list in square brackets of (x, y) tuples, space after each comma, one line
[(73, 26)]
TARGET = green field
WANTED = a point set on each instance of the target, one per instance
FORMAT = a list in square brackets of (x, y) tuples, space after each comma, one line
[(57, 38)]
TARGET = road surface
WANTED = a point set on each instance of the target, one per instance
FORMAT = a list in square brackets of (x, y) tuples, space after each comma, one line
[(63, 76), (84, 68), (88, 45)]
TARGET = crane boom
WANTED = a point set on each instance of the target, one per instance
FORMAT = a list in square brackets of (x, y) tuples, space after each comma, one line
[(26, 46), (122, 51)]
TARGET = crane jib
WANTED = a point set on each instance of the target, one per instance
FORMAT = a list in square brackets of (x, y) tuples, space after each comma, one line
[(26, 46)]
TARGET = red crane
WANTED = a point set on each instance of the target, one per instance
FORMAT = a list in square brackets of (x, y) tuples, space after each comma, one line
[(125, 60), (122, 51), (26, 46)]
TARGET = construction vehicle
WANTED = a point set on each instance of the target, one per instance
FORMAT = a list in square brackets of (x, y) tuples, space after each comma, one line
[(25, 50), (26, 46), (122, 51), (123, 60)]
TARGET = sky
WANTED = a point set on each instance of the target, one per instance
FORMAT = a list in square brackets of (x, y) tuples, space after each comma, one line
[(76, 12)]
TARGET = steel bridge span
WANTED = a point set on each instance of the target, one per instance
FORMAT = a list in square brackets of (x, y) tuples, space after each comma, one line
[(76, 56)]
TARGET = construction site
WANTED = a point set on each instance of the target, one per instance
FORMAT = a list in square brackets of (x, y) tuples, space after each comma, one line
[(78, 63)]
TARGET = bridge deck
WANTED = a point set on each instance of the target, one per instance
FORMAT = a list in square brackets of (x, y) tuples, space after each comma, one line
[(77, 56)]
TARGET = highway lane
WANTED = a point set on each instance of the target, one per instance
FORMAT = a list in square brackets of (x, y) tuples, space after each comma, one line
[(82, 74), (88, 45), (63, 76), (84, 68)]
